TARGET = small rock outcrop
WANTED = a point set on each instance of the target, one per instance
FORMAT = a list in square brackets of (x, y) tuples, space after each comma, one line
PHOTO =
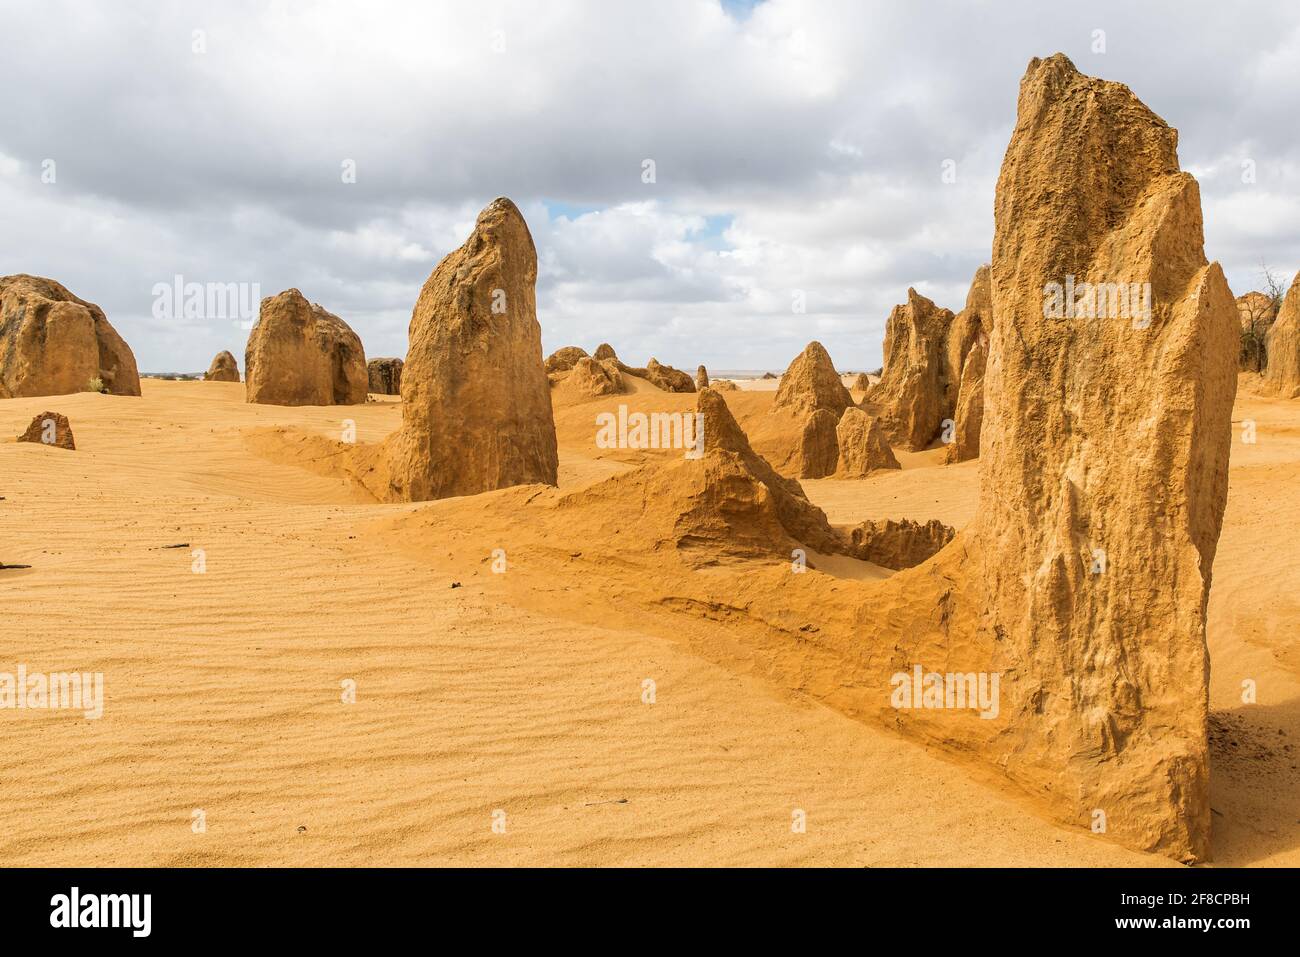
[(53, 343), (861, 383), (802, 520), (590, 377), (50, 428), (863, 447), (1282, 374), (564, 359), (298, 353), (666, 377), (223, 369), (656, 373), (384, 376), (899, 545), (476, 404), (701, 378), (811, 383)]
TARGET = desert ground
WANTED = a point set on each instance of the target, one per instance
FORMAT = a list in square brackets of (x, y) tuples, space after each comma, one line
[(520, 692)]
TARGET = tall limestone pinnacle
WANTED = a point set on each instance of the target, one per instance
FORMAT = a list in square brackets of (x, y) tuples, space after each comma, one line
[(1105, 451), (476, 407), (1084, 577)]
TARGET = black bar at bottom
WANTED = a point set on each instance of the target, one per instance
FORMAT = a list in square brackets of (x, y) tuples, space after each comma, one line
[(333, 907)]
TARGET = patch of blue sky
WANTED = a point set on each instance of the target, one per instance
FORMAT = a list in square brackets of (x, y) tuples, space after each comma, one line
[(571, 211)]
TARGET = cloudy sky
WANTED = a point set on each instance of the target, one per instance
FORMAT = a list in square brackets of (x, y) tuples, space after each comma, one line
[(798, 145)]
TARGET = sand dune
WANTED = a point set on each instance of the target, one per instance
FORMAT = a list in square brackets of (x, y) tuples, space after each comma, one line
[(517, 691)]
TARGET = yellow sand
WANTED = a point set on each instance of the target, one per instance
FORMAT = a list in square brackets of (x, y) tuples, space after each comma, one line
[(224, 688)]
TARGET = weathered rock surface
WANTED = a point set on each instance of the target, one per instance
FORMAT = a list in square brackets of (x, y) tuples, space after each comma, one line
[(476, 406), (862, 382), (969, 415), (590, 377), (701, 378), (53, 343), (973, 324), (818, 448), (863, 447), (912, 396), (223, 369), (1282, 374), (605, 351), (300, 354), (564, 359), (811, 383), (898, 544), (384, 376), (723, 385), (50, 428)]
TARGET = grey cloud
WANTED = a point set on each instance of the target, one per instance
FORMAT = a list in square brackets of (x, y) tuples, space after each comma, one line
[(818, 128)]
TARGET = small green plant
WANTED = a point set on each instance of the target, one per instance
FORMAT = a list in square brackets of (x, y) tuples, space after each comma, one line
[(95, 385)]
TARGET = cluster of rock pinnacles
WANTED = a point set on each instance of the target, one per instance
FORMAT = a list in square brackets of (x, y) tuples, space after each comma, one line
[(1104, 690)]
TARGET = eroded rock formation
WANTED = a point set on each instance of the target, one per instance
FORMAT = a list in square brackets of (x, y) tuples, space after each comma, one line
[(53, 343), (803, 521), (811, 383), (969, 415), (298, 353), (818, 448), (655, 372), (590, 377), (1084, 578), (666, 377), (898, 544), (1257, 311), (972, 325), (701, 378), (384, 376), (564, 359), (1282, 374), (50, 428), (863, 447), (912, 397), (223, 369), (476, 407)]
